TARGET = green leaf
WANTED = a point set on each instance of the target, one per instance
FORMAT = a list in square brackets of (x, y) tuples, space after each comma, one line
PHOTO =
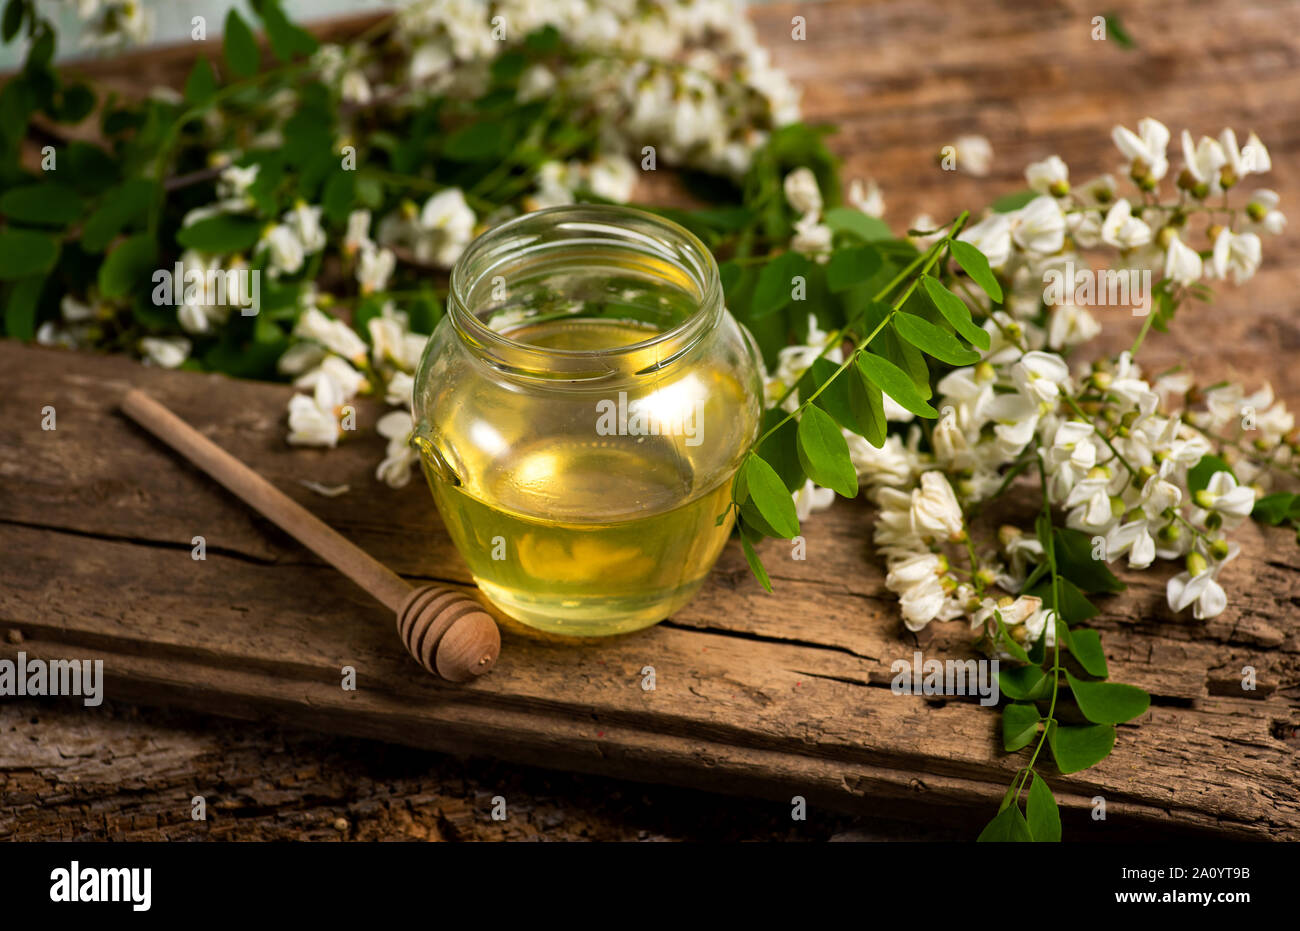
[(1019, 725), (287, 38), (224, 233), (771, 497), (868, 407), (956, 312), (849, 267), (776, 283), (896, 383), (339, 194), (856, 223), (93, 170), (754, 522), (1011, 202), (1074, 561), (239, 47), (1008, 826), (24, 253), (201, 84), (477, 142), (1077, 748), (907, 357), (1108, 702), (1273, 509), (20, 309), (977, 266), (824, 453), (781, 449), (1038, 652), (836, 395), (929, 338), (1085, 646), (755, 564), (1042, 813), (1023, 683), (75, 103), (41, 50), (120, 207), (1115, 30), (1074, 605), (543, 41), (1199, 475), (127, 265), (13, 19), (48, 203)]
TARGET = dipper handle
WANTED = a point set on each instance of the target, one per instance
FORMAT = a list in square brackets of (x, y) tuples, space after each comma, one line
[(448, 633)]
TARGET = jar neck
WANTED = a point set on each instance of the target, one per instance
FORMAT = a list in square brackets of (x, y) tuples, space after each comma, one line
[(559, 263)]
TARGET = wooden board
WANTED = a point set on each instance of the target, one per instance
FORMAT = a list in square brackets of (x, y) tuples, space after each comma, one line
[(771, 695)]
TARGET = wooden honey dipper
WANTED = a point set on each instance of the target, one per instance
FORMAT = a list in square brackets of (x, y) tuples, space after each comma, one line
[(448, 633)]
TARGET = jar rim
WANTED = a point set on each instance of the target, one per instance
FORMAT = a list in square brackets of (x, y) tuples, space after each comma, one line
[(630, 227)]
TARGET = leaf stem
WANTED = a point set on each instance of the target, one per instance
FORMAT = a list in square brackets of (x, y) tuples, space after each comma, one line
[(1049, 550), (926, 261)]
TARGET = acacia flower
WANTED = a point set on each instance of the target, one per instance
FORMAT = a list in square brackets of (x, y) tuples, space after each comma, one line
[(1123, 230), (1039, 226), (810, 498), (802, 192), (1199, 587), (1236, 253), (1050, 176), (1204, 161), (935, 511), (334, 335), (974, 155), (1182, 264), (394, 470), (164, 351), (867, 198), (917, 581), (1223, 496), (1145, 150)]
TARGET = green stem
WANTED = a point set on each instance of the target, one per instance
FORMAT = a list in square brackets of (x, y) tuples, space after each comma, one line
[(926, 261), (1049, 550), (1074, 406), (1142, 333)]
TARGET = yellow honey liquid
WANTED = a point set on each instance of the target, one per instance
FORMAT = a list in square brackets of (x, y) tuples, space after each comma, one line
[(584, 534)]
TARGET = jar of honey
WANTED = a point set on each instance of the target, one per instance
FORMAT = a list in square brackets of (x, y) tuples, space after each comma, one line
[(580, 412)]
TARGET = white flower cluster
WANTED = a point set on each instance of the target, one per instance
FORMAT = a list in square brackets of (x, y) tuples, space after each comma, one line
[(114, 23), (1115, 450), (335, 365), (687, 76), (436, 234), (1029, 245)]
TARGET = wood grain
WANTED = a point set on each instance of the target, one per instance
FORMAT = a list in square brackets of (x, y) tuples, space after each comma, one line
[(770, 695)]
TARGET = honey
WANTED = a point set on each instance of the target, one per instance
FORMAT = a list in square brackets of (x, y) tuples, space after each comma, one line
[(573, 532), (580, 424)]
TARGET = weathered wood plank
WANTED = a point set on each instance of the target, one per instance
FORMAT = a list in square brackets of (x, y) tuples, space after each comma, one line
[(752, 678), (774, 695)]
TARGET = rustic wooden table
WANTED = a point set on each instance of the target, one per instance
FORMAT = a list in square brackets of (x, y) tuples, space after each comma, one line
[(766, 696)]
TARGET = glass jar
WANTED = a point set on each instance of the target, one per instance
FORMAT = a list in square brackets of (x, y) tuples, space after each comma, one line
[(580, 412)]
